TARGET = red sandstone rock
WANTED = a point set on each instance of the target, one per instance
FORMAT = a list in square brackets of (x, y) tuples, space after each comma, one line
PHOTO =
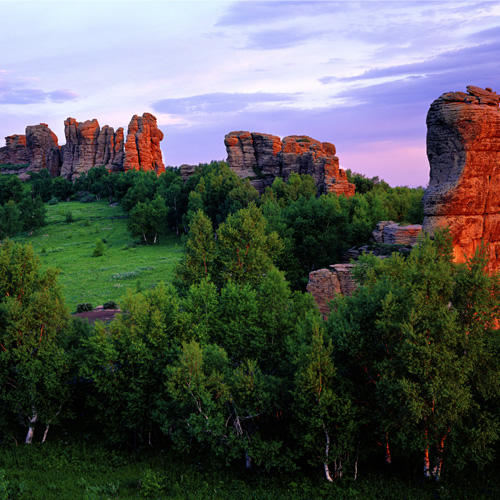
[(463, 147), (142, 147), (43, 150), (87, 146), (15, 151), (263, 157)]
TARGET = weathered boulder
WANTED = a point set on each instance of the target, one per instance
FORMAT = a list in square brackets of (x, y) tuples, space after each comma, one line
[(391, 233), (187, 171), (326, 284), (142, 147), (43, 149), (263, 157), (463, 147), (15, 151)]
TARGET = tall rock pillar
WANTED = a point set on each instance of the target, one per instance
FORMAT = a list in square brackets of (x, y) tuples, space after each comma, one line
[(463, 147)]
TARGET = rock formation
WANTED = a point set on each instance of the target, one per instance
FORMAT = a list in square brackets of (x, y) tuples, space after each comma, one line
[(463, 147), (263, 157), (142, 147), (187, 171), (391, 233), (15, 151), (87, 146), (43, 150), (326, 284)]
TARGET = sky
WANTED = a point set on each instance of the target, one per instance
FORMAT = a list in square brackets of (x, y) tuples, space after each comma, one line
[(360, 75)]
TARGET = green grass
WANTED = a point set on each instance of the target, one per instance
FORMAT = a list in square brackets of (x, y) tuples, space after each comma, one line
[(60, 471), (125, 263)]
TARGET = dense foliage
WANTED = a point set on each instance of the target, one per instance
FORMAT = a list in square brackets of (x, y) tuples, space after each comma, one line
[(233, 361)]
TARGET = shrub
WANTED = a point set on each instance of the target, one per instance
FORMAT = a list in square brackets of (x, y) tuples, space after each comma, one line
[(84, 307), (53, 201), (69, 217), (99, 248), (110, 304)]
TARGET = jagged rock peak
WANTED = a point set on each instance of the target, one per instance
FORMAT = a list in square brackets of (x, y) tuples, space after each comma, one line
[(15, 151), (142, 146), (88, 145), (43, 149), (463, 148), (263, 157)]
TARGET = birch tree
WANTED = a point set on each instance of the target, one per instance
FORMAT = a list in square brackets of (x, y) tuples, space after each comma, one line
[(32, 315)]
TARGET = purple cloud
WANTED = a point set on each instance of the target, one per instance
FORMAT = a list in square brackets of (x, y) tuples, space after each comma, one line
[(14, 91), (219, 102), (280, 38), (250, 12)]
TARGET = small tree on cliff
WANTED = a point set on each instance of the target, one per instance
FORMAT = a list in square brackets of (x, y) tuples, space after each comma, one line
[(32, 313)]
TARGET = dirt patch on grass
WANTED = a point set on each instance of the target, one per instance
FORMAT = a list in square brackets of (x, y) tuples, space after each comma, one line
[(99, 313)]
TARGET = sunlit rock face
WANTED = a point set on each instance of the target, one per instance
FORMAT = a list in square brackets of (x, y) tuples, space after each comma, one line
[(263, 157), (87, 146), (15, 151), (43, 149), (142, 147), (463, 147)]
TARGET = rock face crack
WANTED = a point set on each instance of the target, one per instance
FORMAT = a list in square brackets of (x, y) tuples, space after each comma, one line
[(463, 148)]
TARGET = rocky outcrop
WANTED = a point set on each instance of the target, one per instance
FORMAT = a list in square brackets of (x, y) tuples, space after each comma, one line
[(463, 147), (43, 149), (391, 233), (15, 151), (187, 171), (87, 146), (142, 147), (263, 157), (326, 284)]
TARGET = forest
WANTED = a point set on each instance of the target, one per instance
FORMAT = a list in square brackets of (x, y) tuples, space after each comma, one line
[(225, 373)]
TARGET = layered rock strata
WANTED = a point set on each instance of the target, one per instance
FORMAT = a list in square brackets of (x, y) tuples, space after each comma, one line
[(43, 149), (463, 147), (391, 233), (263, 157), (142, 147), (15, 151)]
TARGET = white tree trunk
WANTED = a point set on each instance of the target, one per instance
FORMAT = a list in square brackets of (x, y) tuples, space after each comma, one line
[(327, 451), (31, 427)]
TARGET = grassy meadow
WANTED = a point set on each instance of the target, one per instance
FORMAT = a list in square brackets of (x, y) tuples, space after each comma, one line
[(68, 243)]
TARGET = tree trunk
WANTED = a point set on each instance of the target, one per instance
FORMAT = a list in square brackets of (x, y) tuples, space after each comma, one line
[(327, 451), (31, 427)]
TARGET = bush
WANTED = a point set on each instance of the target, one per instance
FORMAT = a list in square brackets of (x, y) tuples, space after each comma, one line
[(84, 307), (110, 304), (69, 217), (86, 197), (53, 201), (99, 248)]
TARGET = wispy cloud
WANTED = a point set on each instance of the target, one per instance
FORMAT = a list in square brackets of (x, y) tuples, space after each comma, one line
[(219, 102), (18, 91)]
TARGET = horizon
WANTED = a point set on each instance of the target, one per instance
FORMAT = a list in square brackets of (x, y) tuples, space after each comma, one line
[(360, 75)]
